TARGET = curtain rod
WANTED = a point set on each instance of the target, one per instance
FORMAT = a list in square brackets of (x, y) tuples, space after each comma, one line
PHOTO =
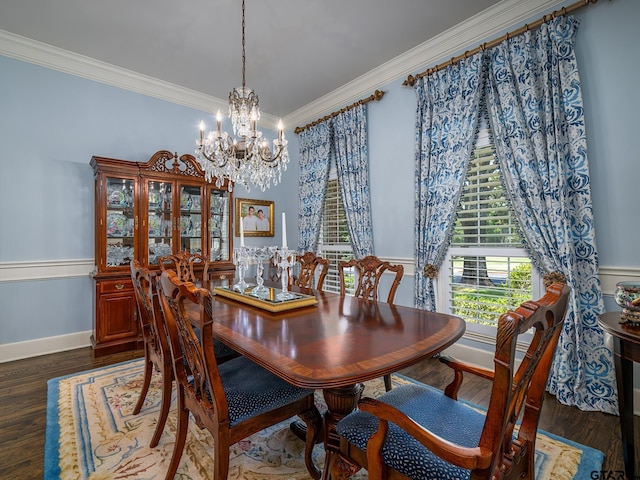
[(411, 80), (377, 95)]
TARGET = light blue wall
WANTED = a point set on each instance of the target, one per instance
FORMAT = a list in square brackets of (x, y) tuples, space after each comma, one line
[(51, 124)]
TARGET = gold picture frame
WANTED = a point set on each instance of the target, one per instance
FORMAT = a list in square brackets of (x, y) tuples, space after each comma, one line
[(256, 215)]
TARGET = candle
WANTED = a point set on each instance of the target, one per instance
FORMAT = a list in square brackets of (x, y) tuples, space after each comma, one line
[(201, 131), (219, 121), (241, 232), (280, 128), (284, 231)]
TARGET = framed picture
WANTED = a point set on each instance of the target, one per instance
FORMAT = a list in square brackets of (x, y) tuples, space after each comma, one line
[(256, 217)]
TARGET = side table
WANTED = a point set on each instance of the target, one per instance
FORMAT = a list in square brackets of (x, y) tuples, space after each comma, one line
[(626, 346)]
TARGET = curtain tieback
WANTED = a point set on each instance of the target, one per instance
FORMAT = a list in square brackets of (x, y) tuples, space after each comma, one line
[(552, 277), (430, 271)]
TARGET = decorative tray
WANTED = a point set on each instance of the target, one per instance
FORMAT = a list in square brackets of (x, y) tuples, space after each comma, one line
[(267, 301)]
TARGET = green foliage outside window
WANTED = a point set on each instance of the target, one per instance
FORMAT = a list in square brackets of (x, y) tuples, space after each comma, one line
[(485, 305)]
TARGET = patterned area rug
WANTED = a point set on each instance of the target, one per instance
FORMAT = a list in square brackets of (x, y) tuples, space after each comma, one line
[(91, 434)]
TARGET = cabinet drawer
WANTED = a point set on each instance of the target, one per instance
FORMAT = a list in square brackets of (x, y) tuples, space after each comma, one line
[(221, 274), (115, 286)]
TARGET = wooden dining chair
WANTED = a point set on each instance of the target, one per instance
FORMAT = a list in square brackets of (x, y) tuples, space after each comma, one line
[(369, 271), (308, 263), (156, 347), (231, 400), (418, 432), (193, 267), (189, 267)]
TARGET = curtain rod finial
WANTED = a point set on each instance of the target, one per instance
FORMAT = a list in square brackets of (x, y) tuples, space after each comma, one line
[(410, 81)]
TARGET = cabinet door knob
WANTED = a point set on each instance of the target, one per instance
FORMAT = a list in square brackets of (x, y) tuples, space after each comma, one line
[(119, 286)]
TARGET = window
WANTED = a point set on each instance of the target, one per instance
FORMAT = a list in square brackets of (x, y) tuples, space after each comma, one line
[(335, 243), (488, 269)]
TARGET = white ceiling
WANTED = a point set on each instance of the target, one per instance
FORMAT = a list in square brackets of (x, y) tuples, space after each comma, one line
[(297, 51)]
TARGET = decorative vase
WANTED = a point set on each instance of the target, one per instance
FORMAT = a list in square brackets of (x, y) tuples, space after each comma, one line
[(628, 297)]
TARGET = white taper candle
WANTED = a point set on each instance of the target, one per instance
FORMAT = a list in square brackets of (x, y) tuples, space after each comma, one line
[(284, 230)]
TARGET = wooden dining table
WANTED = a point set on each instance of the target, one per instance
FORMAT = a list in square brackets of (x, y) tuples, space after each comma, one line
[(333, 346)]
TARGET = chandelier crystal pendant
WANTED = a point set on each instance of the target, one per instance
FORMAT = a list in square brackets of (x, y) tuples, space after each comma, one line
[(245, 157)]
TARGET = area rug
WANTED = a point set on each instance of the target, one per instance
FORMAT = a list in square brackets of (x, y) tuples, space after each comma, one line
[(92, 434)]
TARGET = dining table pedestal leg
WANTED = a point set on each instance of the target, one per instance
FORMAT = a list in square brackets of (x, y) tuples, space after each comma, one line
[(341, 401)]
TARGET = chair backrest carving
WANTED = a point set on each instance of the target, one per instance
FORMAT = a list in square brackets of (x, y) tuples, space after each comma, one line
[(149, 312), (194, 360), (369, 271), (520, 392), (308, 263), (189, 267)]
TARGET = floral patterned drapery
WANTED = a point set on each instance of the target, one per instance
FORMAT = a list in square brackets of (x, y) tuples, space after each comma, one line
[(352, 162), (446, 118), (535, 100), (315, 153)]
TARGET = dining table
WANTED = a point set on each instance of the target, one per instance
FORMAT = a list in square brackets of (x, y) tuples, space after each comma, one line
[(333, 345)]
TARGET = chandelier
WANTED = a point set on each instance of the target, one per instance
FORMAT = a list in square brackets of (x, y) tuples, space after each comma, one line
[(244, 158)]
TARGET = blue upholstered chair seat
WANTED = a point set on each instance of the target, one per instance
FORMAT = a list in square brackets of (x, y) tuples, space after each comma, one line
[(251, 390), (445, 417), (222, 351)]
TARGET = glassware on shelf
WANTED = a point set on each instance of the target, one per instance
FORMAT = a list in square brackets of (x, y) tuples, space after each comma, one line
[(185, 199), (118, 255)]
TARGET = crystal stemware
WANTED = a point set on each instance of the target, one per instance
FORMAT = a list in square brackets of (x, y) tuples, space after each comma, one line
[(261, 254), (241, 256), (285, 258)]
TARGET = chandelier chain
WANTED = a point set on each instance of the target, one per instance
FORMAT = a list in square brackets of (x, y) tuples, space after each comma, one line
[(243, 49)]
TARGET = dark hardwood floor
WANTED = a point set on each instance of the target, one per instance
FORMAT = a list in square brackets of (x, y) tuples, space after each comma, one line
[(23, 405)]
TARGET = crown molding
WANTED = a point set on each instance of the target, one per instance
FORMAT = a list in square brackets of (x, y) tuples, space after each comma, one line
[(38, 53), (485, 25)]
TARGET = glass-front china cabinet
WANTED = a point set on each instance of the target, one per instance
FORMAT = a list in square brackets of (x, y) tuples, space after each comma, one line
[(144, 211)]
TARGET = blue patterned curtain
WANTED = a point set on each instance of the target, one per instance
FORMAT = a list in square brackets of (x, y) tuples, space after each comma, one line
[(536, 108), (446, 119), (352, 162), (315, 152)]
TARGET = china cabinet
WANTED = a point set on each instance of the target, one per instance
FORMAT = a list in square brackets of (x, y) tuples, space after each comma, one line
[(146, 210)]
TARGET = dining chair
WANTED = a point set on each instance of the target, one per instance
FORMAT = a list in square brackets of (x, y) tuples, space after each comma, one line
[(231, 400), (419, 432), (308, 263), (156, 347), (369, 271), (188, 266)]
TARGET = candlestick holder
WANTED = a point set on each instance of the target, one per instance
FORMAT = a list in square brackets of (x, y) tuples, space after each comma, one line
[(241, 257), (261, 254), (285, 259)]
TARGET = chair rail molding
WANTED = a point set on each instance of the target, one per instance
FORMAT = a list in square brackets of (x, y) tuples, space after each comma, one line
[(609, 276), (45, 270)]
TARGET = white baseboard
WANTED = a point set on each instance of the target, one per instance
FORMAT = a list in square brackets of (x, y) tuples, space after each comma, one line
[(43, 346)]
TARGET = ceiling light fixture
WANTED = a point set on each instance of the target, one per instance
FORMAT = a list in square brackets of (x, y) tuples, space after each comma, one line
[(246, 157)]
